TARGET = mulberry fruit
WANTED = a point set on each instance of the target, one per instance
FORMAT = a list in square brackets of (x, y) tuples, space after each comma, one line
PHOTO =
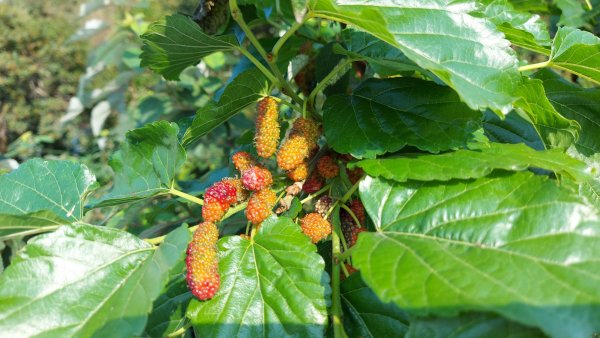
[(307, 128), (260, 206), (202, 262), (243, 161), (241, 193), (350, 270), (299, 145), (223, 191), (267, 128), (355, 174), (293, 152), (257, 178), (353, 235), (213, 211), (299, 173), (315, 227), (359, 210), (327, 167), (312, 184)]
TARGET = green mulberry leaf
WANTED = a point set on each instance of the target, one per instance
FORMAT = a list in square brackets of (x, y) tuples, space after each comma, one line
[(271, 286), (41, 195), (146, 164), (84, 281), (517, 244)]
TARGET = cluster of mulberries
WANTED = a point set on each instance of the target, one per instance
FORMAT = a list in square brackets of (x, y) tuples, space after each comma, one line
[(315, 227), (267, 127), (327, 168), (202, 262)]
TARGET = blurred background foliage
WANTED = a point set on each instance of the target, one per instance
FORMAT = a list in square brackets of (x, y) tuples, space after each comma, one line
[(71, 86)]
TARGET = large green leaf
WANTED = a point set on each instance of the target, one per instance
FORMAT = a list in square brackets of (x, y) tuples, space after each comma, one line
[(168, 310), (42, 194), (576, 51), (473, 325), (246, 88), (146, 164), (467, 53), (84, 281), (554, 129), (521, 28), (365, 315), (382, 116), (177, 42), (272, 286), (385, 59), (515, 244), (579, 104), (465, 164), (511, 129), (572, 12)]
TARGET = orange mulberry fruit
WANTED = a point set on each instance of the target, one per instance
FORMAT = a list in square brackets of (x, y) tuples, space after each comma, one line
[(293, 152), (243, 161), (267, 127), (202, 262), (327, 167), (260, 206), (315, 226), (307, 128), (213, 211), (257, 178), (299, 173)]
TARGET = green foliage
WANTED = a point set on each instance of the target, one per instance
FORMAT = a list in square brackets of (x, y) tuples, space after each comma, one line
[(285, 289), (393, 113), (475, 163), (460, 141), (460, 260), (35, 82), (108, 292)]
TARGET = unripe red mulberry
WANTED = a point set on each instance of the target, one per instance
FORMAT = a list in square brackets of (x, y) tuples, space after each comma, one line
[(222, 191), (327, 167), (315, 227), (243, 161), (257, 178), (202, 262), (260, 206), (299, 173), (213, 211), (313, 184), (267, 127), (241, 193)]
